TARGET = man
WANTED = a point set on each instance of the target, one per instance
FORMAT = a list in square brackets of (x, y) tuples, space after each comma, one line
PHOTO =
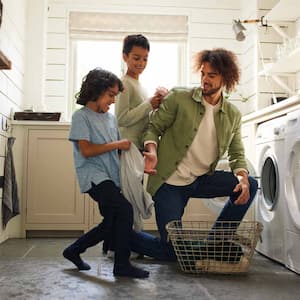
[(185, 139)]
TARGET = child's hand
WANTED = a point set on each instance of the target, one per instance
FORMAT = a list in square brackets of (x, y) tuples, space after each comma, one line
[(155, 101), (161, 91), (123, 144)]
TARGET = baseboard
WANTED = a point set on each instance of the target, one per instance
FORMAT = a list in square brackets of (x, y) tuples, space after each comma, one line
[(53, 233)]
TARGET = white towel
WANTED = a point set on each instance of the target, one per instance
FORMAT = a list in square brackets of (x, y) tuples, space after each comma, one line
[(131, 173)]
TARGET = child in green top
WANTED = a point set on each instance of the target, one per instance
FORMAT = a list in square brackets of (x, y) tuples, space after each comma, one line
[(133, 106)]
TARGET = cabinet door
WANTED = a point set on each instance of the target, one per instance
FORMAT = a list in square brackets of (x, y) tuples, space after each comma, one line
[(52, 193)]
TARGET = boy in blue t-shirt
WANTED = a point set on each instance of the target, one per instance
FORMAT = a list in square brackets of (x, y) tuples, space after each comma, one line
[(96, 142)]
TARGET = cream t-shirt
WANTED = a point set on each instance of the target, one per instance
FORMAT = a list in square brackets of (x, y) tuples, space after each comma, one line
[(202, 152)]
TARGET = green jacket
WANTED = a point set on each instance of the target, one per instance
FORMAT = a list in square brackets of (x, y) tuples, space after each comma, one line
[(174, 125)]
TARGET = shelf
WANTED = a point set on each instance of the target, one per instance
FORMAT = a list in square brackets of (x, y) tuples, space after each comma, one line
[(287, 64), (5, 63), (284, 10), (273, 111)]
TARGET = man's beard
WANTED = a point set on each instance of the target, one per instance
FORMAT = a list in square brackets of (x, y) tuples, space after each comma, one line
[(210, 92)]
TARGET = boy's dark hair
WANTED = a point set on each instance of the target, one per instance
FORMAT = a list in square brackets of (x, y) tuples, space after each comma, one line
[(223, 61), (95, 83), (137, 40)]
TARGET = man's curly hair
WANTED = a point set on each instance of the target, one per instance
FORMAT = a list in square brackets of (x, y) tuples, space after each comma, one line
[(223, 61)]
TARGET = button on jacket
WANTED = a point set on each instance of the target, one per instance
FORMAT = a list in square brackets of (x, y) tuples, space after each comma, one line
[(174, 125)]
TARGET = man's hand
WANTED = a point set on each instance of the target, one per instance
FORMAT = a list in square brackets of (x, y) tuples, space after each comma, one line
[(150, 159), (242, 186)]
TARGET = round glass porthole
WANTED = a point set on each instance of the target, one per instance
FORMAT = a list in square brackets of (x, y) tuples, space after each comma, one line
[(270, 182)]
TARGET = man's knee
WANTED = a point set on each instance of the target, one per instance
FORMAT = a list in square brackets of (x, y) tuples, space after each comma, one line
[(253, 184)]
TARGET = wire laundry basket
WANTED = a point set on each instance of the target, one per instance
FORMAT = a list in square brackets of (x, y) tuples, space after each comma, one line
[(214, 247)]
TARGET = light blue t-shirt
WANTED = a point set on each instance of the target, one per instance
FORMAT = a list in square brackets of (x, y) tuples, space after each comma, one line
[(97, 128)]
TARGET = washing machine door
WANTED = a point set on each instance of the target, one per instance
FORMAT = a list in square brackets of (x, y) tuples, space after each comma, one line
[(292, 184), (269, 180)]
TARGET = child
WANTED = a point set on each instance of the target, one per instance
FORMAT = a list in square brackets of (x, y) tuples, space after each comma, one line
[(96, 143), (132, 106)]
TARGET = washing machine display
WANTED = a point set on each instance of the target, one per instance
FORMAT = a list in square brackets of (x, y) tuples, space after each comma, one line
[(270, 201), (292, 191)]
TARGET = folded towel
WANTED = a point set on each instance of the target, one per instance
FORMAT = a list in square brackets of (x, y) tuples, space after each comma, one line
[(132, 172), (10, 201)]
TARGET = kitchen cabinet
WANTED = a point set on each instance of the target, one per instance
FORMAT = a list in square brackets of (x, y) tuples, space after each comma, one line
[(50, 195), (51, 199)]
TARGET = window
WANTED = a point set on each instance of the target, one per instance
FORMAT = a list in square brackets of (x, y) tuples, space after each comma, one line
[(96, 41), (91, 54), (164, 66)]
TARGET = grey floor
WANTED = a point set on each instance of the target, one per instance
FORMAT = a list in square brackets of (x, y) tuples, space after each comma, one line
[(35, 269)]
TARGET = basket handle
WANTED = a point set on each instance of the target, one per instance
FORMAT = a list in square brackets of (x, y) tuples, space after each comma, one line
[(168, 238)]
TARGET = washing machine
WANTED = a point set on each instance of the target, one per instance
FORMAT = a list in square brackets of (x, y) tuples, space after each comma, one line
[(292, 191), (270, 201)]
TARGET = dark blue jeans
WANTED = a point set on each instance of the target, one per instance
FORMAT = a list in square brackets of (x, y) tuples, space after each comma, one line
[(117, 221), (171, 200)]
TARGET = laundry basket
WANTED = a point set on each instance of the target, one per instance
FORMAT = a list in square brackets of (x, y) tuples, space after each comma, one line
[(214, 247)]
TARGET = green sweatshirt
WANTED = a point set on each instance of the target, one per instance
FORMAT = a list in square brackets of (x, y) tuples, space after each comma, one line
[(132, 110)]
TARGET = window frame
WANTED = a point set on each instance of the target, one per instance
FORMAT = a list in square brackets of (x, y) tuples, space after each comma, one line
[(71, 106)]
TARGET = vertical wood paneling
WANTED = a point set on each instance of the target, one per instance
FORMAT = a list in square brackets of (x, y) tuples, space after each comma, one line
[(12, 43), (210, 26)]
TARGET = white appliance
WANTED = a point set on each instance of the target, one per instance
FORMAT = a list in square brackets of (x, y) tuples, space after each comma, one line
[(270, 201), (292, 191)]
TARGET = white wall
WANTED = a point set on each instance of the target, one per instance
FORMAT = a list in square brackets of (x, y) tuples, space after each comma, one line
[(210, 25), (34, 36), (36, 22), (12, 44), (249, 58)]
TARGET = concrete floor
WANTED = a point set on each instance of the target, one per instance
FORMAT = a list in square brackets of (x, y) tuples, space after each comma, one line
[(34, 269)]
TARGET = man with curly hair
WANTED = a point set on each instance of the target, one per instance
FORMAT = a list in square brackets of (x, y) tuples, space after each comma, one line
[(185, 139)]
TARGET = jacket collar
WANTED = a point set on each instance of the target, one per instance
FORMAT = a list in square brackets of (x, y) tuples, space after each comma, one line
[(197, 96)]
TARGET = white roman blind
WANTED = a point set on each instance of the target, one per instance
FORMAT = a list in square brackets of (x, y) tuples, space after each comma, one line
[(113, 25)]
